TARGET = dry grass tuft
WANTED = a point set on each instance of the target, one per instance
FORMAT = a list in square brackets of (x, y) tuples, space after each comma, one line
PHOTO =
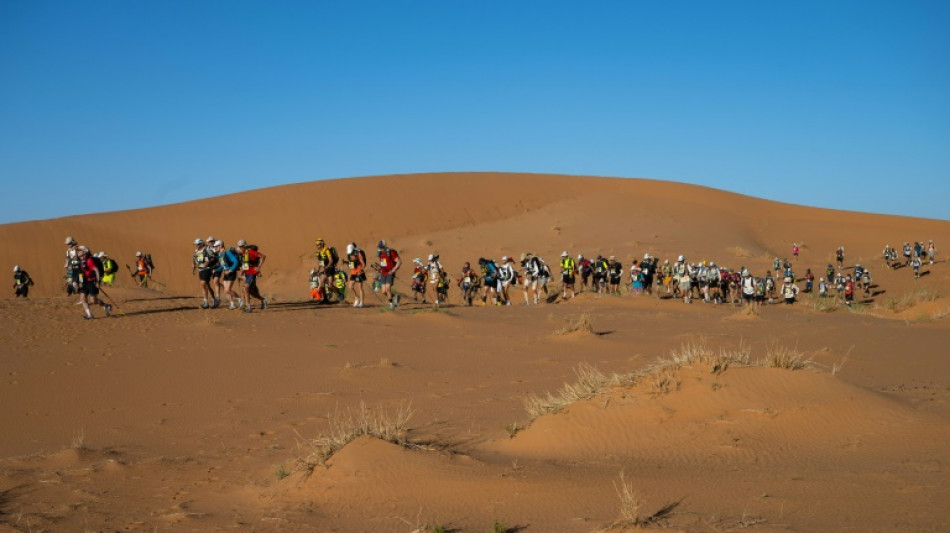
[(630, 505), (347, 426), (590, 382), (661, 377), (79, 440), (910, 299), (783, 357), (580, 323)]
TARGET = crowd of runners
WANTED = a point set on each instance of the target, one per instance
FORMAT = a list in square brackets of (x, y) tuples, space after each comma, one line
[(232, 274)]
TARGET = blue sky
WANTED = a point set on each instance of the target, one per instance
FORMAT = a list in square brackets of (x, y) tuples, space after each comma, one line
[(111, 105)]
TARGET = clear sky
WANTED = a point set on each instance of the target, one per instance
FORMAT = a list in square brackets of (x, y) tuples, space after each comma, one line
[(108, 105)]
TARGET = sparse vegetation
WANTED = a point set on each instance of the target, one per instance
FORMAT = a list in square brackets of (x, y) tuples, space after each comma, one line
[(580, 323), (281, 472), (784, 357), (79, 440), (630, 505), (590, 382), (910, 299), (512, 429), (349, 425), (661, 377)]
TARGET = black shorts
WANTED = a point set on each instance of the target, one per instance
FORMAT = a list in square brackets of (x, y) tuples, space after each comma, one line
[(90, 288), (217, 274), (204, 274), (358, 278), (567, 279), (329, 270), (229, 275), (615, 280)]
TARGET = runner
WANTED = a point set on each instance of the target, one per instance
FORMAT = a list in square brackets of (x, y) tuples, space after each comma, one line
[(666, 274), (601, 266), (769, 286), (822, 288), (614, 275), (356, 262), (636, 278), (327, 260), (866, 282), (251, 263), (586, 270), (91, 274), (204, 261), (506, 276), (839, 256), (489, 281), (418, 280), (748, 288), (848, 290), (389, 263), (532, 271), (907, 251), (568, 275), (809, 280), (109, 268), (316, 287), (229, 263), (543, 278), (21, 282), (931, 251), (468, 282), (647, 272), (143, 269), (789, 291), (795, 250), (916, 264), (435, 273), (73, 267)]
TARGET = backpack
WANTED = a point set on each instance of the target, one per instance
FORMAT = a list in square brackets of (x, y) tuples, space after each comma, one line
[(109, 266), (230, 260), (98, 262), (334, 256), (148, 261)]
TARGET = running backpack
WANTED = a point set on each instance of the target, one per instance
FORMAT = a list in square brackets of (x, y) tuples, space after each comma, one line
[(334, 256), (109, 267), (148, 261)]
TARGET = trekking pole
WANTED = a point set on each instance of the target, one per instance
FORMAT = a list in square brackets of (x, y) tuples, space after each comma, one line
[(115, 305)]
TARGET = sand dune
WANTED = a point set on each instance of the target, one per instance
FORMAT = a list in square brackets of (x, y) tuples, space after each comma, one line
[(168, 417)]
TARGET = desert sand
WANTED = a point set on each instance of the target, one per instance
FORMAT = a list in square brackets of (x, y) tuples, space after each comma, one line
[(696, 417)]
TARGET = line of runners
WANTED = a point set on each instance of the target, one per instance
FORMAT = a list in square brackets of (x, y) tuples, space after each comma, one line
[(219, 268)]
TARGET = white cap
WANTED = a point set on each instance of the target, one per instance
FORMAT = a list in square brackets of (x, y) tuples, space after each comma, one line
[(564, 253), (70, 240), (101, 254), (242, 243), (210, 239), (646, 256), (84, 248), (417, 260), (16, 268), (313, 272), (138, 254), (505, 259), (788, 280), (350, 247), (681, 258), (198, 241), (431, 257), (218, 243), (580, 256)]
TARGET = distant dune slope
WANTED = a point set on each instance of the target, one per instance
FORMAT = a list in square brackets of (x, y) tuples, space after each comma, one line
[(464, 216)]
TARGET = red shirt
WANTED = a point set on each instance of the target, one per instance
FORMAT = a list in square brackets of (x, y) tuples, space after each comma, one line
[(251, 261), (387, 261)]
